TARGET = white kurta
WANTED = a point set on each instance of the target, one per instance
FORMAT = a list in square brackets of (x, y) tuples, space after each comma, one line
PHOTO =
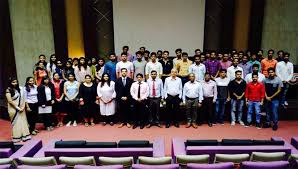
[(107, 93)]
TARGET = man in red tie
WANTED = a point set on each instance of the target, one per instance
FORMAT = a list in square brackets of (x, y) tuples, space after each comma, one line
[(155, 95)]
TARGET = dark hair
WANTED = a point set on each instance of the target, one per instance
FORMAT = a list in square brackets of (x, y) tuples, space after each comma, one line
[(98, 67), (166, 52), (140, 74), (123, 69), (255, 65), (112, 53), (153, 71), (142, 47), (280, 51), (147, 51), (55, 74), (198, 50), (223, 70), (125, 47), (159, 51), (37, 64), (197, 56), (26, 84), (124, 53), (77, 59), (270, 68), (178, 50), (103, 81), (41, 55), (51, 62), (84, 65), (138, 53), (10, 87), (238, 71), (271, 50), (207, 73), (71, 74), (253, 74), (153, 53), (287, 54), (184, 54), (88, 76), (43, 79)]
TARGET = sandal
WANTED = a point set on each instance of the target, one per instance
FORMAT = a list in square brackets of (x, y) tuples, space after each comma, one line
[(86, 124)]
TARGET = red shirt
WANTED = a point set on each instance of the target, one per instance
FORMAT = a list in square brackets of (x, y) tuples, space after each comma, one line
[(255, 91), (57, 88)]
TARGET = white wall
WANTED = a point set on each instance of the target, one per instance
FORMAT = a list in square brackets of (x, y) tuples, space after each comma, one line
[(159, 24)]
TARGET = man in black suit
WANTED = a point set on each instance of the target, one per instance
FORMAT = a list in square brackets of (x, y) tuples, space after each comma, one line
[(123, 97)]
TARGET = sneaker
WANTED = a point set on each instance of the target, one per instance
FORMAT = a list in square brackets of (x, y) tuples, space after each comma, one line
[(247, 124), (233, 123), (68, 124), (286, 103), (241, 123), (33, 133), (275, 127), (258, 126), (49, 129), (75, 124)]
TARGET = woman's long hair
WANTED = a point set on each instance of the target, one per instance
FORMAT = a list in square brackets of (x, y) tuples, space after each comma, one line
[(84, 65), (11, 87), (52, 63), (43, 79), (103, 80), (27, 83)]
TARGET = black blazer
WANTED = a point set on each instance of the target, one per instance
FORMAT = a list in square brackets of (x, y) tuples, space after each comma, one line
[(41, 95), (123, 91)]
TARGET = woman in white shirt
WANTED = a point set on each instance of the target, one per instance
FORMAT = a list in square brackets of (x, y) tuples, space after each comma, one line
[(107, 94), (32, 100)]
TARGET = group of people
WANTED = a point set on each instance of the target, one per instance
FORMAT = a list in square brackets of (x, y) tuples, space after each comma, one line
[(137, 86)]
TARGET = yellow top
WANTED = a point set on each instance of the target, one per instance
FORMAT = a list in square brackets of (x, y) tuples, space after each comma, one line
[(182, 67)]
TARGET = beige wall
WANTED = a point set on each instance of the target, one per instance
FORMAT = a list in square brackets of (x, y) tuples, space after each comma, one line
[(32, 33), (280, 27)]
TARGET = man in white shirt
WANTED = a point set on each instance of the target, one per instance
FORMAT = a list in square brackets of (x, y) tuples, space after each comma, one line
[(153, 65), (155, 95), (192, 97), (210, 96), (232, 69), (139, 92), (285, 71), (198, 69), (124, 63), (255, 69), (173, 95)]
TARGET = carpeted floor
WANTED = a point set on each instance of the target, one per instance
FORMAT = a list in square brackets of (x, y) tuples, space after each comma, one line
[(287, 129)]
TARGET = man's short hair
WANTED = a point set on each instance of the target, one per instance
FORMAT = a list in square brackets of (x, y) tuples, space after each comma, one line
[(140, 74)]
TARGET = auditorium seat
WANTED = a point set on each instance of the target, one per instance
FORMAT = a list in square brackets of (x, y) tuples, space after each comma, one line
[(72, 161), (228, 165), (98, 167), (34, 161), (154, 160), (42, 167), (265, 165), (267, 157), (5, 166), (125, 161), (166, 166), (183, 160), (235, 158)]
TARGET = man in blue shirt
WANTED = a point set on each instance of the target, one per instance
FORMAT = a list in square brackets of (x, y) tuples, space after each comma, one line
[(110, 66)]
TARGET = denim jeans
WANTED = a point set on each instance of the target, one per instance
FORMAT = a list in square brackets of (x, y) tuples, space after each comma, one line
[(220, 110), (236, 105), (254, 105), (284, 93), (272, 111)]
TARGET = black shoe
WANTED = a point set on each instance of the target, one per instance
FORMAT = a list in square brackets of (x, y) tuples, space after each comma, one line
[(134, 126), (266, 125), (210, 124), (247, 124), (142, 126), (176, 125), (258, 125), (168, 125), (159, 125), (275, 127)]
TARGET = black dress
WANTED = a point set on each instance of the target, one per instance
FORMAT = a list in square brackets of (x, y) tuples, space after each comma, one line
[(88, 94)]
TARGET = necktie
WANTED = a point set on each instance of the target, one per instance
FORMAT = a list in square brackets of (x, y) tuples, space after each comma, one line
[(124, 81), (139, 91), (153, 89)]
